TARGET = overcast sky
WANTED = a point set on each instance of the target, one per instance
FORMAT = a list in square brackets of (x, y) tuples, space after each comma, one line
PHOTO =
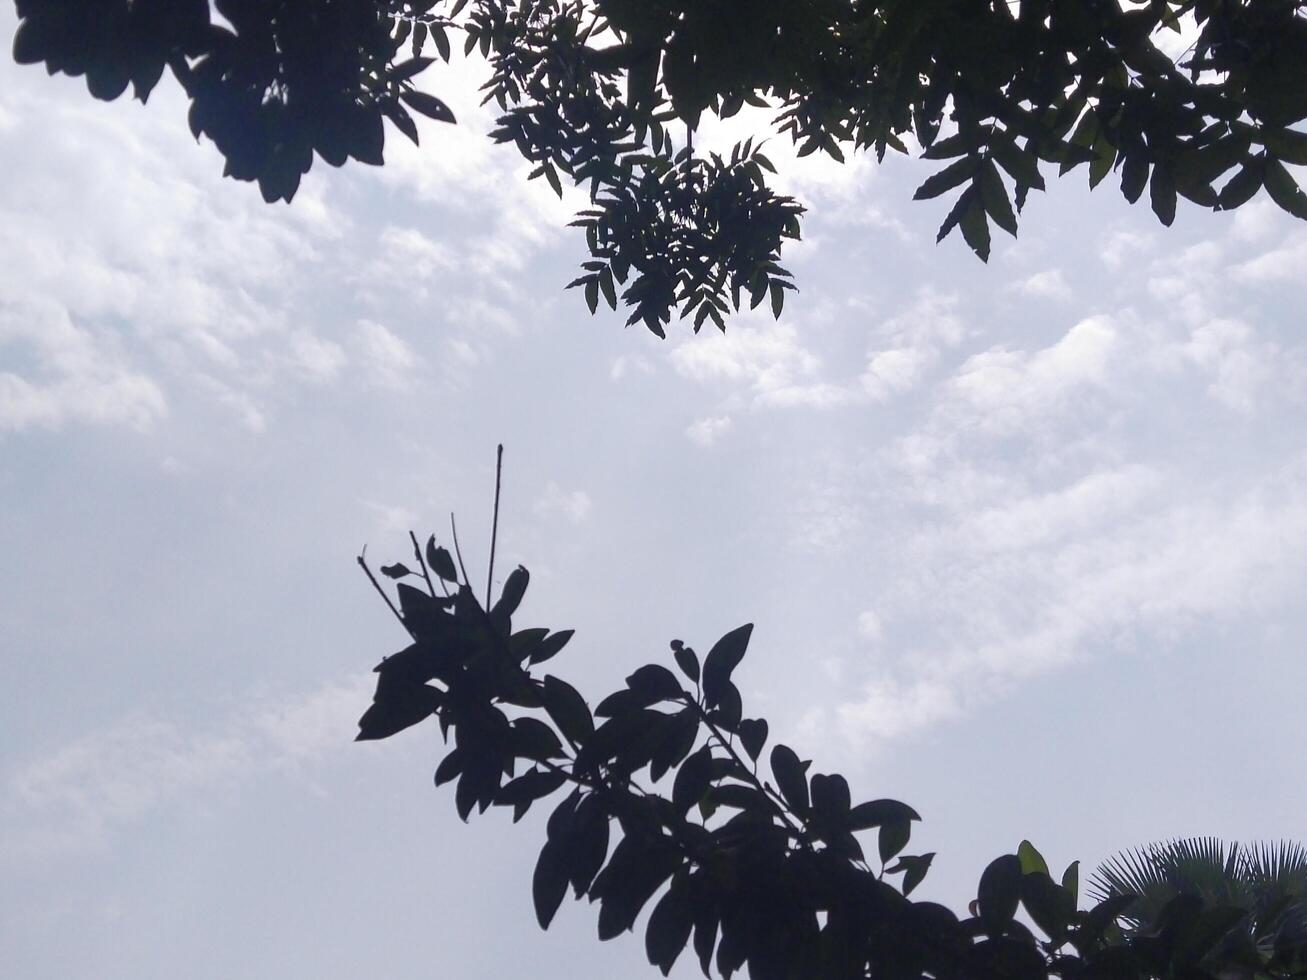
[(1024, 543)]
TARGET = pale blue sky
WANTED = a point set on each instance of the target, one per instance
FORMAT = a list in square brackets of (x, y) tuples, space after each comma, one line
[(1024, 542)]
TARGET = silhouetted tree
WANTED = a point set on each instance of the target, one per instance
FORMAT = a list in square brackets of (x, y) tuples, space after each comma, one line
[(590, 89), (670, 797), (1262, 886)]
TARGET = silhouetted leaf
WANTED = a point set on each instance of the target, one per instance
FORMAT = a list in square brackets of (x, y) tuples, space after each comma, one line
[(428, 105), (791, 778), (722, 660), (511, 595), (686, 660), (999, 892), (692, 779), (441, 561), (568, 709), (653, 683), (669, 926), (550, 646), (549, 884), (753, 736), (395, 571)]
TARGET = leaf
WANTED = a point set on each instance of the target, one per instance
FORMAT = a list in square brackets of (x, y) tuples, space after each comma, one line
[(533, 739), (948, 178), (892, 837), (637, 869), (753, 735), (915, 867), (790, 778), (830, 800), (511, 595), (451, 766), (692, 779), (395, 571), (1050, 906), (1134, 177), (975, 228), (686, 659), (549, 884), (996, 199), (397, 711), (864, 816), (669, 925), (722, 660), (1284, 190), (1288, 145), (1031, 860), (654, 683), (1161, 192), (777, 291), (999, 893), (428, 105), (1071, 880), (1240, 188), (551, 645), (568, 709), (441, 561)]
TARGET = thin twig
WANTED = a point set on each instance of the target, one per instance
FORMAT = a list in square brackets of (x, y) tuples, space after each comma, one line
[(382, 592), (494, 526), (458, 552), (422, 564)]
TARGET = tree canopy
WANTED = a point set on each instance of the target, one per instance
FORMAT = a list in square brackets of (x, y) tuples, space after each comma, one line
[(747, 854), (608, 94)]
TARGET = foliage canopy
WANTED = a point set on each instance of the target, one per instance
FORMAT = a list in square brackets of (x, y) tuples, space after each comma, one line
[(596, 92), (765, 873)]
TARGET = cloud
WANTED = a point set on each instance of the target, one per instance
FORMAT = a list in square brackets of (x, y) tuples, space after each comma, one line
[(77, 796), (764, 357), (706, 431), (555, 502), (1007, 389), (1048, 284), (389, 360), (1116, 559), (72, 375), (1285, 263)]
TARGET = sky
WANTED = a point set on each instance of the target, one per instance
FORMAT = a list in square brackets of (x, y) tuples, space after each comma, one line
[(1023, 542)]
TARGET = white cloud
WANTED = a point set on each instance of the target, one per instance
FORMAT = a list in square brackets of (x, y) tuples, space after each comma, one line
[(624, 364), (389, 359), (573, 505), (706, 431), (1117, 559), (1120, 246), (892, 372), (1011, 389), (1284, 263), (870, 626), (1048, 284), (77, 796), (74, 376)]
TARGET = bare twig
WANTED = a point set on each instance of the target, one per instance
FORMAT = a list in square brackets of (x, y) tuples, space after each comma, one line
[(422, 563), (494, 526), (362, 560), (458, 552)]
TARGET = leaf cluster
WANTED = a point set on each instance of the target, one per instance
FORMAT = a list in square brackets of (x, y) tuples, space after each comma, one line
[(596, 91), (666, 797)]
